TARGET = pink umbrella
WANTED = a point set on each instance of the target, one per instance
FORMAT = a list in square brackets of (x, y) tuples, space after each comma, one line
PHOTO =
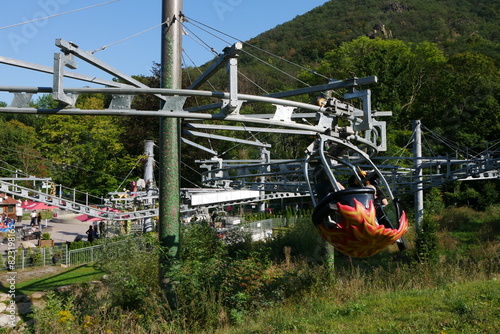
[(110, 209), (26, 203), (87, 218), (40, 206)]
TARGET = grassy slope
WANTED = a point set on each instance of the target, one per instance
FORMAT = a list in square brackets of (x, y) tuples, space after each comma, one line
[(471, 307), (51, 281)]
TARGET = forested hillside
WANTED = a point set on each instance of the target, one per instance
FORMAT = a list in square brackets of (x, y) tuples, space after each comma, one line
[(456, 26), (435, 60)]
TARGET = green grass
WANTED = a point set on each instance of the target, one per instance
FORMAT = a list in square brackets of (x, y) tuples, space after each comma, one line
[(390, 292), (74, 275), (471, 307)]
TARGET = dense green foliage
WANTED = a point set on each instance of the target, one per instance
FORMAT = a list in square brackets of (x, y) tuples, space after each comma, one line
[(456, 26), (283, 284)]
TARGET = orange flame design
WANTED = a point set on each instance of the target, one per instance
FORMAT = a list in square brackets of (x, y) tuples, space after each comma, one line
[(358, 234)]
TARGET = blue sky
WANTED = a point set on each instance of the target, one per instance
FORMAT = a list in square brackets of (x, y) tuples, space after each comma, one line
[(92, 24)]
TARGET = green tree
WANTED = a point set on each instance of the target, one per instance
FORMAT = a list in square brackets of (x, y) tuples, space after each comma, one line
[(464, 100), (20, 148), (86, 152), (403, 70)]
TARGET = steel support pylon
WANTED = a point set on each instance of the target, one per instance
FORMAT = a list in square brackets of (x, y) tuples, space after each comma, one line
[(169, 182)]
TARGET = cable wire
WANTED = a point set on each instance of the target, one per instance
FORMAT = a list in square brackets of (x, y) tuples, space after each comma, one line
[(129, 37), (256, 47), (51, 16)]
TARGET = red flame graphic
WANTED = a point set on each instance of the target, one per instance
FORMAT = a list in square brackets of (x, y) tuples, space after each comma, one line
[(358, 234)]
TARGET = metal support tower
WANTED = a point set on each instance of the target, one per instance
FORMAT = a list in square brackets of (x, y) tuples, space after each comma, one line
[(419, 191), (169, 183)]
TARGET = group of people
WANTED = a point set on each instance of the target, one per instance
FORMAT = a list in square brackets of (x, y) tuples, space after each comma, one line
[(6, 222), (36, 218), (96, 230)]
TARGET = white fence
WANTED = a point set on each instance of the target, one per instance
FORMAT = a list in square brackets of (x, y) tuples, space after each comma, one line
[(50, 256)]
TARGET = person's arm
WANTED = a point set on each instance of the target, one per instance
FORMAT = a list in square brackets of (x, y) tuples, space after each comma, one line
[(381, 196)]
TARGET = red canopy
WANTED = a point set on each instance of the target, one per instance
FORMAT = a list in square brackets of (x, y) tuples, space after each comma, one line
[(25, 204), (109, 209), (87, 218), (38, 206)]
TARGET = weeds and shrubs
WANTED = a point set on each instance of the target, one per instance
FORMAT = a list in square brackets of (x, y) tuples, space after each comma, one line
[(132, 268), (220, 282), (427, 241)]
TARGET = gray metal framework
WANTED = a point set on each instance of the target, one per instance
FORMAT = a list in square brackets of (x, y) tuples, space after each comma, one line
[(364, 136)]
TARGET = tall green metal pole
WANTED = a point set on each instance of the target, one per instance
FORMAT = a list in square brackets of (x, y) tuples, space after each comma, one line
[(171, 77)]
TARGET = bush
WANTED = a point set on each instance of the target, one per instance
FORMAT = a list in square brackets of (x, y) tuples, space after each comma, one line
[(427, 241), (56, 316), (132, 269), (213, 290)]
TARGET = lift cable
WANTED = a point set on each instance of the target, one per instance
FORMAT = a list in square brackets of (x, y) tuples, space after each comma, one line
[(190, 20), (199, 40), (129, 37), (130, 172), (59, 14)]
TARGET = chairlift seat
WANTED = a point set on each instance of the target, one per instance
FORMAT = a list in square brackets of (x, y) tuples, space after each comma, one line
[(328, 205)]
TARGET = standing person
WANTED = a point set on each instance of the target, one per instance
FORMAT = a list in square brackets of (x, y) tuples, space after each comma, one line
[(19, 212), (96, 232), (90, 234), (96, 229), (102, 228), (39, 218), (133, 188), (33, 217)]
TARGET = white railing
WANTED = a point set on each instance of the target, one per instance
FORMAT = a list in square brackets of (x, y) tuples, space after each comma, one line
[(57, 255)]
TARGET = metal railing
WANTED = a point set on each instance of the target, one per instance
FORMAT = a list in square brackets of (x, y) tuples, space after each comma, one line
[(51, 256)]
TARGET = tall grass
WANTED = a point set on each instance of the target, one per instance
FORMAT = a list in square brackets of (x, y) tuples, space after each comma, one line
[(284, 285)]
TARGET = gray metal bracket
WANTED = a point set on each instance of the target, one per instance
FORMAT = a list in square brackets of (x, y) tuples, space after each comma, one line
[(60, 62), (232, 67), (365, 96), (174, 103), (382, 138), (21, 100), (231, 106), (283, 113), (121, 102), (229, 52)]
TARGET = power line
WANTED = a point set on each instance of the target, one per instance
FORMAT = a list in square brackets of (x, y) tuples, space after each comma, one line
[(129, 37), (253, 46), (51, 16)]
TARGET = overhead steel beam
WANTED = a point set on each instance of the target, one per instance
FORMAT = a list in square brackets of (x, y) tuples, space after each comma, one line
[(229, 53), (329, 86), (198, 146), (247, 129), (162, 113), (308, 90), (50, 70), (219, 137), (71, 48)]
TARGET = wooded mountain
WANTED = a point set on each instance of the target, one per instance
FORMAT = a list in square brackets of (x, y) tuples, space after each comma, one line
[(454, 25)]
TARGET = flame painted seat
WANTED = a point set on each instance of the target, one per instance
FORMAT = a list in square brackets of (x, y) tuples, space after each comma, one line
[(347, 219)]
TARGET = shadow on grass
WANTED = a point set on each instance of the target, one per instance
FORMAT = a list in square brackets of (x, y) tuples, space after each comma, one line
[(75, 275), (80, 274)]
